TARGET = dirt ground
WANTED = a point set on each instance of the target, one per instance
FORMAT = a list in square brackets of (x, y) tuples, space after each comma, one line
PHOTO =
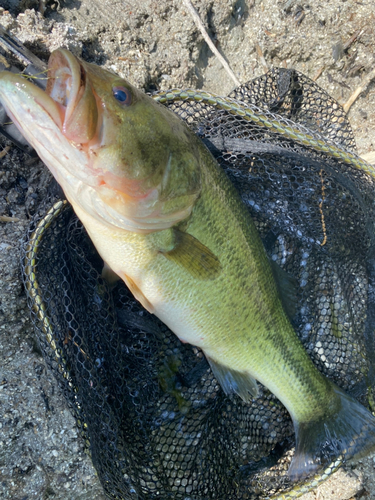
[(155, 45)]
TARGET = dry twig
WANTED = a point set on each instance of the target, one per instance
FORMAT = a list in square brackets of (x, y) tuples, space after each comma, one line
[(356, 36), (4, 151), (5, 218), (318, 73), (359, 90), (197, 20), (261, 57)]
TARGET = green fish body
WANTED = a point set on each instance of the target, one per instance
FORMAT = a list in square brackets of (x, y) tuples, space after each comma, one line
[(166, 220)]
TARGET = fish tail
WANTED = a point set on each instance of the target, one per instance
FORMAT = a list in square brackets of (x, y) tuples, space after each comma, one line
[(348, 432)]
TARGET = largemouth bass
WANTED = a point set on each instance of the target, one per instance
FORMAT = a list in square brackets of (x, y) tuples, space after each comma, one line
[(167, 221)]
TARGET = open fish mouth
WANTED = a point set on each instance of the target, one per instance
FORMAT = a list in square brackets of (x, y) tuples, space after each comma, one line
[(42, 118), (68, 104)]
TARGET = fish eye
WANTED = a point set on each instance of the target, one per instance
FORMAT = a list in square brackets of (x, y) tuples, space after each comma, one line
[(122, 95)]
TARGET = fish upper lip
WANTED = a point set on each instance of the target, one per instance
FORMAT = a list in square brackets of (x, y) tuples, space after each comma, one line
[(64, 79), (69, 86)]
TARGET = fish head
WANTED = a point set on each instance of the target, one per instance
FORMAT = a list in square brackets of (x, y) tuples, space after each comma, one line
[(119, 155)]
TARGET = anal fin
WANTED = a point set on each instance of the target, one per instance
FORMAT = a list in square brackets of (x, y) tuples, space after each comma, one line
[(233, 381)]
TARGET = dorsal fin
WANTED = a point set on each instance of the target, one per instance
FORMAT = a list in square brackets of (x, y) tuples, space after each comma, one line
[(287, 288)]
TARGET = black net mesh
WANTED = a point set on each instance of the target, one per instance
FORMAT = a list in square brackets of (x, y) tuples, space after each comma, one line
[(156, 422)]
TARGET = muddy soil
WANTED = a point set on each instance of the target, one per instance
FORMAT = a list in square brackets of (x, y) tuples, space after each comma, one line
[(155, 45)]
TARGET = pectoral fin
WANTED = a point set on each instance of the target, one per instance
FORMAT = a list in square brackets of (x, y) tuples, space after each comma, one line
[(138, 294), (193, 256), (109, 275), (232, 381)]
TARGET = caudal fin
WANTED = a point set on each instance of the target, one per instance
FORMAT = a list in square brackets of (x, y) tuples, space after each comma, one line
[(349, 432)]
